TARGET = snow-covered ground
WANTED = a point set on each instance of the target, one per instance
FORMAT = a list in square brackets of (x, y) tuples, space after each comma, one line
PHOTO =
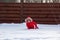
[(20, 32)]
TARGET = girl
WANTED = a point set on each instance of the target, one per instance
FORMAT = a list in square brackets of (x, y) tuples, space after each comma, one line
[(30, 23)]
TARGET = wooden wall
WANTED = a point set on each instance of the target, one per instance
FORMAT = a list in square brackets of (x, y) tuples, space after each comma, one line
[(10, 13), (42, 13)]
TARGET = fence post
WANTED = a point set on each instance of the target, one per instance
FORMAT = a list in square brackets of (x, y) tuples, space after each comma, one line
[(21, 15)]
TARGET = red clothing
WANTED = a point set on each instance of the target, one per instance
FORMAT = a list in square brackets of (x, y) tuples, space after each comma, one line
[(31, 25)]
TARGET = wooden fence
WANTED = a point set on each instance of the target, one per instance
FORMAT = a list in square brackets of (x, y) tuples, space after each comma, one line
[(43, 13)]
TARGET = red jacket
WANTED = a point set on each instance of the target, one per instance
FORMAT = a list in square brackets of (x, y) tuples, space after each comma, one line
[(31, 25)]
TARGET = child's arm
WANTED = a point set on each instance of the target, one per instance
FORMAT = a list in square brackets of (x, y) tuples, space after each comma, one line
[(35, 25)]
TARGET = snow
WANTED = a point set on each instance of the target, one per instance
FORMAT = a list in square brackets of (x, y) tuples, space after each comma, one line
[(20, 32)]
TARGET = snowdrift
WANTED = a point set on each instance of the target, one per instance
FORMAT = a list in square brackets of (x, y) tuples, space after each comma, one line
[(20, 32)]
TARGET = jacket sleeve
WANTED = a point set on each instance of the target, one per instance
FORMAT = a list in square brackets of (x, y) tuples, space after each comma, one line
[(35, 24)]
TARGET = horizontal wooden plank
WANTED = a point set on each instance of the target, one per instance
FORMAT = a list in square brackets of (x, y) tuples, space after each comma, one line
[(41, 6), (10, 12), (10, 21), (8, 9), (40, 13), (43, 16), (52, 9), (47, 23), (9, 15), (10, 4), (41, 10), (44, 4), (47, 20), (1, 19)]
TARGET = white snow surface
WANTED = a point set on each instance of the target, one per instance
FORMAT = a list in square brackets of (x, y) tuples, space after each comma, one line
[(20, 32)]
